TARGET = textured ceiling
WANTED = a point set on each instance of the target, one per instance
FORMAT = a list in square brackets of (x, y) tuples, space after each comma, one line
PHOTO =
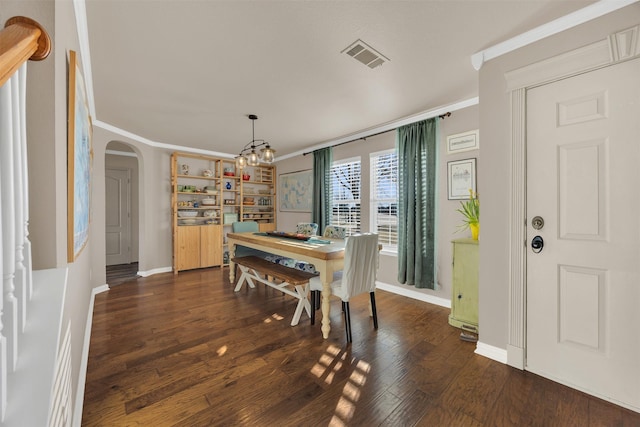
[(188, 72)]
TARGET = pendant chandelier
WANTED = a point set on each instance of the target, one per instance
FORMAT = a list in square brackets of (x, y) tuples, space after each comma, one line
[(248, 156)]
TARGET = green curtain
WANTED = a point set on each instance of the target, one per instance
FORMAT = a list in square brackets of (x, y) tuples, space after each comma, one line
[(321, 212), (416, 145)]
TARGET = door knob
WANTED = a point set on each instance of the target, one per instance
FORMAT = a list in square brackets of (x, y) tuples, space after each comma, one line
[(537, 244)]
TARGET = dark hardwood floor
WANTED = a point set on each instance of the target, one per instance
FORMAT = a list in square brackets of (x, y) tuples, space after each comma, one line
[(121, 273), (186, 350)]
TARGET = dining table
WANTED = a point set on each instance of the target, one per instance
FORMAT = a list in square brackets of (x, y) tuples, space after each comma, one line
[(327, 255)]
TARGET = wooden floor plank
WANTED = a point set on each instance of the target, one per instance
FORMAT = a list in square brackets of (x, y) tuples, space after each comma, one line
[(185, 350)]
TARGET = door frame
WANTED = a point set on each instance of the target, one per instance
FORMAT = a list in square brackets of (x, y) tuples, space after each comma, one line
[(618, 47)]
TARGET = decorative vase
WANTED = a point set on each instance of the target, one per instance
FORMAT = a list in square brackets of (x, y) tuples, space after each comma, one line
[(475, 230)]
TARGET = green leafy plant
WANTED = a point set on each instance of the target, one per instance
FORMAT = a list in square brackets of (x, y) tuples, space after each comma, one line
[(470, 210)]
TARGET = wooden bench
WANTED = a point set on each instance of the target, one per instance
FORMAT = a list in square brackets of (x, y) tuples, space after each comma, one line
[(253, 268)]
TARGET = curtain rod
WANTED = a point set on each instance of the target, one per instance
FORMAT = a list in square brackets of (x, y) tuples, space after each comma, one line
[(364, 138)]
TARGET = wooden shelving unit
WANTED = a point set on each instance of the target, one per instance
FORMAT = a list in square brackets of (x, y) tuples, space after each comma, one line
[(214, 194)]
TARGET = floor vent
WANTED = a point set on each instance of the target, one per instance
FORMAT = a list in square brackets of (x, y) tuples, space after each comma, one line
[(366, 54)]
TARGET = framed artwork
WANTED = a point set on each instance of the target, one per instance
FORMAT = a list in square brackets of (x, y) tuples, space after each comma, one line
[(296, 191), (465, 141), (461, 177), (79, 157)]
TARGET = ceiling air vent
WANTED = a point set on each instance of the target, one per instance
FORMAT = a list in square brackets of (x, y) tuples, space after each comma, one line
[(366, 54)]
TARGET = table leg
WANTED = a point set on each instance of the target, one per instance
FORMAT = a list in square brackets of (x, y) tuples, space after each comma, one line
[(326, 296), (232, 265)]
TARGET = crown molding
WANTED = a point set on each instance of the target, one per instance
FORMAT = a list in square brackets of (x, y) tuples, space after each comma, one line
[(556, 26), (154, 144), (388, 126), (363, 134)]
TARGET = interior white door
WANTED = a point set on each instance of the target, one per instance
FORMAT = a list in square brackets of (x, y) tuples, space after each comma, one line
[(118, 216), (583, 287)]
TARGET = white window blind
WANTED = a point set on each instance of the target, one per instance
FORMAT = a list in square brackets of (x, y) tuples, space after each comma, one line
[(384, 198), (345, 185)]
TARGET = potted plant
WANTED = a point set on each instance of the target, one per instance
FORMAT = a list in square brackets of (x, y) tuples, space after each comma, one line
[(470, 210)]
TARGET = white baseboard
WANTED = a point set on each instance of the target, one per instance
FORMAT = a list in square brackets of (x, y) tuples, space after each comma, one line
[(515, 356), (82, 375), (99, 290), (155, 271), (491, 352), (407, 292)]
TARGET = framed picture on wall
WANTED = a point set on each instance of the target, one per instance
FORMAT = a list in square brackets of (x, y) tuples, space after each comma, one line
[(296, 191), (79, 157), (461, 179), (465, 141)]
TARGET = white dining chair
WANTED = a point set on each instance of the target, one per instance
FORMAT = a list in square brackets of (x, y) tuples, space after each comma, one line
[(357, 277)]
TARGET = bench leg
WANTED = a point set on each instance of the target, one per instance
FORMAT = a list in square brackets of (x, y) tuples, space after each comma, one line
[(303, 303), (245, 276)]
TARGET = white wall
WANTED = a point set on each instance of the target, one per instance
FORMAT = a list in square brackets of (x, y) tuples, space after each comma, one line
[(448, 219), (47, 162)]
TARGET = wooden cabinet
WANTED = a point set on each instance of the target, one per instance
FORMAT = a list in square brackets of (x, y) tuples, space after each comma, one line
[(208, 194), (464, 298), (210, 245), (198, 246)]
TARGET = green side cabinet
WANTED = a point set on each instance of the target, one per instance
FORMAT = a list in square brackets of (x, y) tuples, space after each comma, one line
[(464, 298)]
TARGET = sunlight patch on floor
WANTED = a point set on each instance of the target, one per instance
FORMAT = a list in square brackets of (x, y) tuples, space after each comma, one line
[(274, 316), (331, 362), (222, 350)]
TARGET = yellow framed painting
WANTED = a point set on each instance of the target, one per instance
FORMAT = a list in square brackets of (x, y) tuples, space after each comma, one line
[(79, 158)]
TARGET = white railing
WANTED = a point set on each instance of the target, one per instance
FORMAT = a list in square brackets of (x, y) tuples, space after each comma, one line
[(21, 39)]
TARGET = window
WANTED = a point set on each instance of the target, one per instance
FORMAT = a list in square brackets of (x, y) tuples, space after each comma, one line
[(384, 198), (345, 186)]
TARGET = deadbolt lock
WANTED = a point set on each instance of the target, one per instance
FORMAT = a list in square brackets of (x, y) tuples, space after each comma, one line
[(537, 222)]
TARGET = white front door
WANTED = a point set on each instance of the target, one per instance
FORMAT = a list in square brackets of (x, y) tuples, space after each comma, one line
[(117, 216), (583, 180)]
